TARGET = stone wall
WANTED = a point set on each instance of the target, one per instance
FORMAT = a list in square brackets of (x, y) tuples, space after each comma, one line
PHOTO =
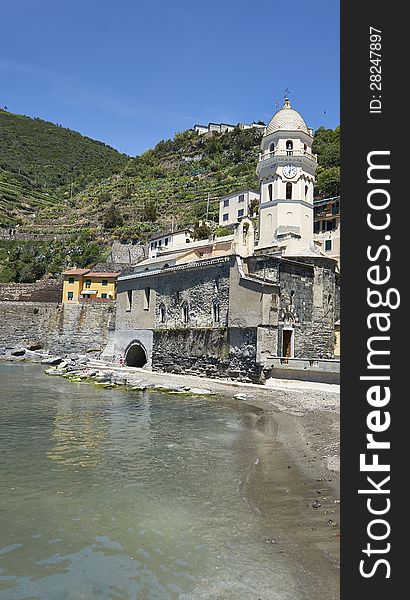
[(10, 233), (198, 287), (45, 290), (60, 328), (199, 290), (264, 267), (307, 297), (337, 297), (126, 253), (222, 353)]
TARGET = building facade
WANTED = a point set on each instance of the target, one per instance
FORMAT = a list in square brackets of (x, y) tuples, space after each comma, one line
[(326, 226), (231, 307), (286, 171), (240, 204), (167, 241), (84, 285), (224, 127), (226, 316)]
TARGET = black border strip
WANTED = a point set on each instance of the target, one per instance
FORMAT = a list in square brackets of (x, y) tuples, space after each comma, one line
[(363, 132)]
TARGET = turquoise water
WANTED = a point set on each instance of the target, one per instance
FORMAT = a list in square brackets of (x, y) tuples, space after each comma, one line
[(123, 495)]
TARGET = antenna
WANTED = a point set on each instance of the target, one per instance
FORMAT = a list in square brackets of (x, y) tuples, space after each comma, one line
[(277, 104)]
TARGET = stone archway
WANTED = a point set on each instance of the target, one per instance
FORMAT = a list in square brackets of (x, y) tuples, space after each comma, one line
[(135, 355)]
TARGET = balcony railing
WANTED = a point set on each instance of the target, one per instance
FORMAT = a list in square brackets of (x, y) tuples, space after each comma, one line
[(267, 155)]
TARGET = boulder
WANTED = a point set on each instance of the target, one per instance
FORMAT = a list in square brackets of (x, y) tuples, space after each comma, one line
[(54, 371), (118, 380), (201, 391), (18, 352), (241, 397), (169, 388), (52, 360), (34, 346)]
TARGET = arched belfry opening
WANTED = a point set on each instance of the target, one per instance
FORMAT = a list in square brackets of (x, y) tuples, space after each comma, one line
[(135, 355)]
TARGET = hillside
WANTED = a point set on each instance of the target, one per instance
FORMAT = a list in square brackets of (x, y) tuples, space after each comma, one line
[(179, 182), (41, 164), (170, 183)]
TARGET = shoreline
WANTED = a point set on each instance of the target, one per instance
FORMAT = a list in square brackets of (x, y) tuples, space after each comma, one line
[(307, 413), (304, 420)]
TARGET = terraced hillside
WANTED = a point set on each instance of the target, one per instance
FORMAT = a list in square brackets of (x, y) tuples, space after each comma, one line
[(42, 165), (179, 181), (54, 181)]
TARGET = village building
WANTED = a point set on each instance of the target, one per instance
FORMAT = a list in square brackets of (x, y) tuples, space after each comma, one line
[(237, 205), (165, 241), (84, 285), (224, 127), (326, 227), (239, 305)]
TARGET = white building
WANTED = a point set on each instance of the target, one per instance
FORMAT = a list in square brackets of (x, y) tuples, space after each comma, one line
[(218, 127), (286, 171), (167, 241), (235, 206), (224, 127)]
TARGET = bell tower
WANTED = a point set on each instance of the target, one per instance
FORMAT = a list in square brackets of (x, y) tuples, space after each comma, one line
[(286, 171)]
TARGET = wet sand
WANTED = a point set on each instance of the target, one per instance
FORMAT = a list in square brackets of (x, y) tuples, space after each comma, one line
[(303, 418)]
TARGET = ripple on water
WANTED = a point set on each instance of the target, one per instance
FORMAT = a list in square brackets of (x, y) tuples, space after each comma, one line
[(112, 494)]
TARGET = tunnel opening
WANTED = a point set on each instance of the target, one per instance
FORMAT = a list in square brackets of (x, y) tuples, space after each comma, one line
[(135, 356)]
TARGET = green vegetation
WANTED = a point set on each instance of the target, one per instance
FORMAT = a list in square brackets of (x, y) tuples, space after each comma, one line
[(171, 182), (42, 164), (27, 262), (326, 145), (55, 181)]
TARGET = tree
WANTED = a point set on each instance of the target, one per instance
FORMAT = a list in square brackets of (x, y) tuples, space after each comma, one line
[(328, 182), (149, 212), (112, 217), (202, 231)]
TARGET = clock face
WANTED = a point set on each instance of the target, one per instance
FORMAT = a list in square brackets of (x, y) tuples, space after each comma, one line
[(289, 171)]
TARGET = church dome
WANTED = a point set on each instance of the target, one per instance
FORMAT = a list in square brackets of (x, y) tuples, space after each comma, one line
[(287, 119)]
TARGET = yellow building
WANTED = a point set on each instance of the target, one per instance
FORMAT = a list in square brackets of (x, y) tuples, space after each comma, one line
[(83, 285)]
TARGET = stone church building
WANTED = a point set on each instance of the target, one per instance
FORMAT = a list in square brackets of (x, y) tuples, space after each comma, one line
[(230, 306)]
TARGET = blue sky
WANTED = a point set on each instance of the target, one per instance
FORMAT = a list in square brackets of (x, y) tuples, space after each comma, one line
[(133, 72)]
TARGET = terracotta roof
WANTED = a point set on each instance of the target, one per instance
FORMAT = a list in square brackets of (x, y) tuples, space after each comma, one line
[(76, 272), (103, 275)]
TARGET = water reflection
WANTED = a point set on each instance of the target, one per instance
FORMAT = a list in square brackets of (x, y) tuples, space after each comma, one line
[(80, 432), (109, 494)]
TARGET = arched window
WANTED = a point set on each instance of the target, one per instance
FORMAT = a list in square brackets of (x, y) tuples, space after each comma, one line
[(162, 313), (216, 310), (288, 191), (272, 147), (306, 192), (289, 147), (185, 313), (270, 190)]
